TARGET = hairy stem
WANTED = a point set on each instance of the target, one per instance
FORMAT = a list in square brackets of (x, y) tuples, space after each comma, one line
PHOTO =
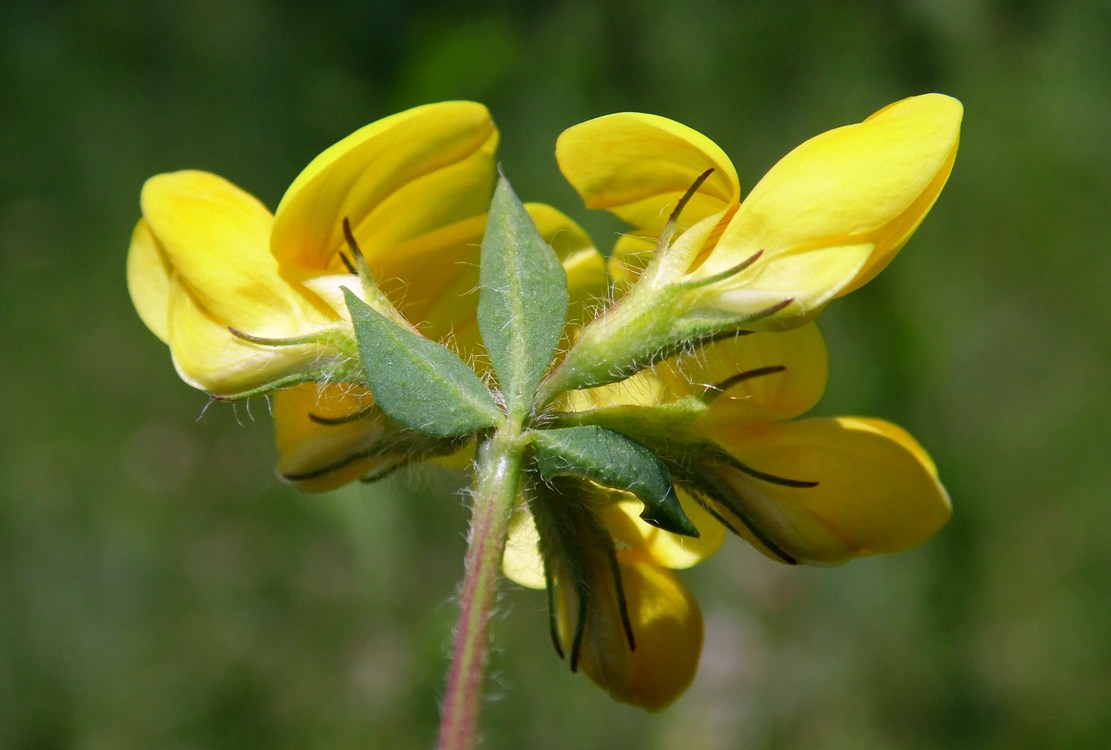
[(497, 476)]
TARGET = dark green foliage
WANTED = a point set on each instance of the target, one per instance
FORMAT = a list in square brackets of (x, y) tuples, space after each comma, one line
[(523, 302), (420, 383), (613, 460)]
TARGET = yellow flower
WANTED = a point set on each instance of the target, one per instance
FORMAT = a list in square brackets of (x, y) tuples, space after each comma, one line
[(207, 257), (199, 265), (817, 490), (617, 611), (641, 627), (826, 219), (249, 301)]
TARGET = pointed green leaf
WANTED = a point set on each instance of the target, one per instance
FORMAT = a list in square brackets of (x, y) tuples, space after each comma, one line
[(613, 460), (419, 382), (522, 306)]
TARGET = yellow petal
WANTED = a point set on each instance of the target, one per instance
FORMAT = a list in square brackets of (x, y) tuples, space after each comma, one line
[(333, 453), (638, 166), (763, 398), (433, 278), (207, 356), (877, 489), (667, 629), (864, 185), (558, 229), (641, 389), (936, 119), (522, 562), (330, 290), (216, 239), (394, 179), (631, 254), (622, 520), (805, 279), (587, 283), (148, 280)]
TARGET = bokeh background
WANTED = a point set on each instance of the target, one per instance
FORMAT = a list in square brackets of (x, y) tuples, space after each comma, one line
[(160, 588)]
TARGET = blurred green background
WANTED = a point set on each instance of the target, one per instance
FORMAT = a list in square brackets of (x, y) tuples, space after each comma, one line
[(159, 588)]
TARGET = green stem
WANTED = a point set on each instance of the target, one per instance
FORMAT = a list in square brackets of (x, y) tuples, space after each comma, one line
[(497, 476)]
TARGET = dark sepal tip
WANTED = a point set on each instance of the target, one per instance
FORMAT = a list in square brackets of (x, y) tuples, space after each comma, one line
[(681, 527)]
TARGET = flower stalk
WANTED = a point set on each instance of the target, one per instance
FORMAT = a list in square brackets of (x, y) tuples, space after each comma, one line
[(498, 469)]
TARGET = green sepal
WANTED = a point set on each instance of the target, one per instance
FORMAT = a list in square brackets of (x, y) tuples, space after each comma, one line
[(418, 382), (648, 326), (522, 305), (613, 460), (578, 553)]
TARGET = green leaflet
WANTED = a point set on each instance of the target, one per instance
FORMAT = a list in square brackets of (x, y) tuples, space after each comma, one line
[(523, 303), (613, 460), (420, 383)]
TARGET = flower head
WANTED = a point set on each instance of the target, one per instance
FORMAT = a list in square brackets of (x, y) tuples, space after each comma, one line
[(676, 415)]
